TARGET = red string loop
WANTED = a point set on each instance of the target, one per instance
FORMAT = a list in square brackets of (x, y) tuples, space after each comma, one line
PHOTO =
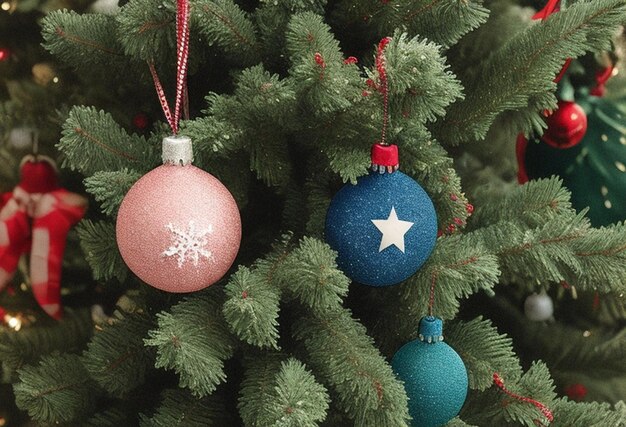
[(381, 67), (498, 381), (182, 56)]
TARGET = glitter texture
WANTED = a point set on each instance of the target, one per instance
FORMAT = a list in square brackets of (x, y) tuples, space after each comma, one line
[(435, 379), (171, 203), (364, 255)]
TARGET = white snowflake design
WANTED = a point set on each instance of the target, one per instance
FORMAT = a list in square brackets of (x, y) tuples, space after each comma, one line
[(189, 244)]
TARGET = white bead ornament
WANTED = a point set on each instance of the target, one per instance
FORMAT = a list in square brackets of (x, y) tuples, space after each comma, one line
[(538, 307)]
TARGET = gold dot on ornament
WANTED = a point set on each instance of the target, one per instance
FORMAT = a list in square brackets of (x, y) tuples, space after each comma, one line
[(620, 166), (607, 204), (574, 116), (604, 138), (3, 421)]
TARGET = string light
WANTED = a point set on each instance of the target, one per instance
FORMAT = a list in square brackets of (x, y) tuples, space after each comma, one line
[(14, 322), (55, 80), (6, 6), (3, 421)]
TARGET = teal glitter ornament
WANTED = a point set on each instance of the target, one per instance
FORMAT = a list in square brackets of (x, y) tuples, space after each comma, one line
[(594, 170), (434, 376)]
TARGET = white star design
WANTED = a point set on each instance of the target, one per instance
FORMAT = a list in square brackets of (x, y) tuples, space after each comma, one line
[(189, 244), (393, 230)]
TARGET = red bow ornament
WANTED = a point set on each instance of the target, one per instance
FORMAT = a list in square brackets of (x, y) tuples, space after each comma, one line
[(36, 218)]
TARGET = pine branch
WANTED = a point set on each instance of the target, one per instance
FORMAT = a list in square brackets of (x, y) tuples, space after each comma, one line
[(348, 363), (350, 162), (427, 161), (601, 255), (543, 254), (86, 42), (318, 197), (457, 422), (424, 17), (110, 187), (97, 240), (224, 23), (257, 389), (493, 407), (251, 308), (146, 29), (93, 142), (57, 390), (27, 346), (281, 394), (307, 272), (109, 418), (483, 351), (193, 340), (523, 70), (531, 204), (588, 414), (116, 357), (420, 84), (212, 137), (311, 274), (325, 83), (261, 106), (179, 408)]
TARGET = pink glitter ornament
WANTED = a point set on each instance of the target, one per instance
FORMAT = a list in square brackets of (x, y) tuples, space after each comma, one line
[(178, 228)]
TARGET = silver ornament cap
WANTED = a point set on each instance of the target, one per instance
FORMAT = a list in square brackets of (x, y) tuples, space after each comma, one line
[(177, 150)]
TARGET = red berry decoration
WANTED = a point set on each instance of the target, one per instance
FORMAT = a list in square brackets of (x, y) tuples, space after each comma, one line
[(5, 53), (141, 121), (566, 126), (576, 391)]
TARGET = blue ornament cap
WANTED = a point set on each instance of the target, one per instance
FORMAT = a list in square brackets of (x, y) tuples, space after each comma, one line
[(383, 228), (434, 376), (431, 329)]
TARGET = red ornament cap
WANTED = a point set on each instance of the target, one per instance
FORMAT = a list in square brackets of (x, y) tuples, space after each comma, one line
[(385, 158), (38, 176), (566, 126)]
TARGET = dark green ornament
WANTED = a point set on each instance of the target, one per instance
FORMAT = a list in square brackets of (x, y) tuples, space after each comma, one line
[(594, 170)]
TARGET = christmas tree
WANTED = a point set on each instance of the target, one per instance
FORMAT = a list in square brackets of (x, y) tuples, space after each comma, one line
[(362, 204)]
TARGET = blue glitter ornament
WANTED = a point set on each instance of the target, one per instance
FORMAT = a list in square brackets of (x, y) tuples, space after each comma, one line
[(384, 227), (435, 378)]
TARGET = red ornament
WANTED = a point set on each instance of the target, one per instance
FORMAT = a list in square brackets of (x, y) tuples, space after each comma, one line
[(36, 218), (602, 76), (141, 121), (566, 126), (178, 228), (576, 391), (5, 53)]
